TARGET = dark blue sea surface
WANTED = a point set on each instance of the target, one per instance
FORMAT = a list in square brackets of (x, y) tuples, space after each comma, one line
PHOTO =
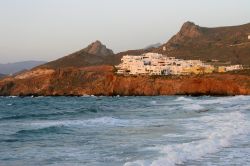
[(129, 131)]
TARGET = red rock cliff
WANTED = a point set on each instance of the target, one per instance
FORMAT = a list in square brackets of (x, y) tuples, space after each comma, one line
[(101, 80)]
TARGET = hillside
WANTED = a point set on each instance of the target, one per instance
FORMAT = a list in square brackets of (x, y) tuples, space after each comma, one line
[(226, 44), (94, 54), (90, 71)]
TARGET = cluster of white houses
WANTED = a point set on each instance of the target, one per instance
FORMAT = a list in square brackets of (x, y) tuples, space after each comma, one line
[(157, 64)]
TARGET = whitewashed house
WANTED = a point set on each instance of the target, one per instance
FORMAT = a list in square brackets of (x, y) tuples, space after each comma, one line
[(157, 64), (233, 67)]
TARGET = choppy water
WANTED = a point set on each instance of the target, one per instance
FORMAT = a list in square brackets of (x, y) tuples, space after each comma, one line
[(129, 131)]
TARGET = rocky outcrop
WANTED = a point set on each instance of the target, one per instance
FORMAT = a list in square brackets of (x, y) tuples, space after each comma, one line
[(225, 44), (95, 54), (101, 80), (90, 71), (97, 48)]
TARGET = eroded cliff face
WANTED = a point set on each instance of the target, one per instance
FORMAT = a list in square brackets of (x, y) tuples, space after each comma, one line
[(101, 80)]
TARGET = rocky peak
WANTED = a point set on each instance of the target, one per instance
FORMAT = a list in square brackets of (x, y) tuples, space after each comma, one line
[(97, 48), (189, 29)]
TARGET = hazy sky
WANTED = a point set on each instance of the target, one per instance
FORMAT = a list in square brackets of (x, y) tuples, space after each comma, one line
[(49, 29)]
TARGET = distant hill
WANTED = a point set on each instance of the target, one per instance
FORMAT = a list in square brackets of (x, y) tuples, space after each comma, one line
[(2, 75), (226, 44), (94, 54), (12, 68), (153, 46)]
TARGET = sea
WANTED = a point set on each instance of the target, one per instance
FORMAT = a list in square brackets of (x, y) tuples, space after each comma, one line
[(125, 131)]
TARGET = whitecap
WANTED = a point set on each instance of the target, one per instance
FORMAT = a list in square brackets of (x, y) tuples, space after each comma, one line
[(223, 128), (101, 121), (183, 99), (13, 96), (108, 121), (153, 102), (193, 107)]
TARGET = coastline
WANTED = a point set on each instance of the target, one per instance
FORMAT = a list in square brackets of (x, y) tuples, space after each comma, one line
[(102, 81)]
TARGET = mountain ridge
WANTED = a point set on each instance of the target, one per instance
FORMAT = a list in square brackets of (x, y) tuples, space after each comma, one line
[(229, 43)]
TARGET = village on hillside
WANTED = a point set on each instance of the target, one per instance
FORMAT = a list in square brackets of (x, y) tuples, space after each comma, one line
[(157, 64)]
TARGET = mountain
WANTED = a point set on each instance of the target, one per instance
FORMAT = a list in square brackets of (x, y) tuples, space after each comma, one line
[(12, 68), (97, 48), (94, 54), (227, 44), (90, 71)]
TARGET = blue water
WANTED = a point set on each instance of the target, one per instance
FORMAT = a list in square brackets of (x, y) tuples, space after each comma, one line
[(97, 131)]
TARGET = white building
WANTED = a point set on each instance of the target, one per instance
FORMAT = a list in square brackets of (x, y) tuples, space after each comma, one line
[(154, 64), (249, 37), (157, 64), (233, 67)]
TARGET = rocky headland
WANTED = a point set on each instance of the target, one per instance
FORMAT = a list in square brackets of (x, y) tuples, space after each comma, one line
[(101, 80), (91, 71)]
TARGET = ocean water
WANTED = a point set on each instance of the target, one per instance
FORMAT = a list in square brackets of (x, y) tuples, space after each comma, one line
[(125, 131)]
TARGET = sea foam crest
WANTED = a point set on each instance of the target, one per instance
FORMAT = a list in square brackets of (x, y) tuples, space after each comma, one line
[(224, 128), (101, 121), (88, 122), (183, 99)]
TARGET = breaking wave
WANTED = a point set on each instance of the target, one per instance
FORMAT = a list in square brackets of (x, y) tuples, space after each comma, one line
[(183, 99), (76, 112), (219, 130)]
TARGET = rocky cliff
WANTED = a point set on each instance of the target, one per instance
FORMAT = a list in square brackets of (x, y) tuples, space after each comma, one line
[(101, 80), (91, 71)]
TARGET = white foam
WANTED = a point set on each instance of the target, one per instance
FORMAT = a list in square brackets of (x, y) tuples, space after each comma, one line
[(108, 121), (102, 121), (183, 99), (193, 107), (218, 132), (12, 97), (224, 100), (153, 102)]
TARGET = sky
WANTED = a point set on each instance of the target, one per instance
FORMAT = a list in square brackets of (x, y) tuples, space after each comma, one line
[(49, 29)]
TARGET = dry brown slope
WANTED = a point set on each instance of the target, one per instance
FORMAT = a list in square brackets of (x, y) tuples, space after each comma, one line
[(222, 43)]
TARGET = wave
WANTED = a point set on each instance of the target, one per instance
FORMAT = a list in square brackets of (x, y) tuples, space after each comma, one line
[(63, 126), (193, 107), (44, 115), (218, 132), (102, 121), (46, 130), (224, 100), (43, 125), (183, 99)]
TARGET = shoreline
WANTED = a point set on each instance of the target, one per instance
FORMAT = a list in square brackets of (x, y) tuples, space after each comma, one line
[(102, 81)]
